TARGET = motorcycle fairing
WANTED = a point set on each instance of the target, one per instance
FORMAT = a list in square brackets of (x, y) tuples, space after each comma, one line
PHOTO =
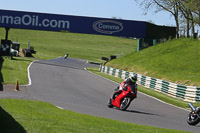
[(117, 100)]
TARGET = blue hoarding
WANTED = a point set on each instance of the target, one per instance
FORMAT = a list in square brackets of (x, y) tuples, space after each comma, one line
[(74, 24)]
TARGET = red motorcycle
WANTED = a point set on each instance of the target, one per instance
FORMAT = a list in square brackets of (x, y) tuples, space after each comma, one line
[(122, 98)]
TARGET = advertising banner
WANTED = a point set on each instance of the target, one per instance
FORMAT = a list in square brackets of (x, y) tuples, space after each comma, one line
[(73, 24)]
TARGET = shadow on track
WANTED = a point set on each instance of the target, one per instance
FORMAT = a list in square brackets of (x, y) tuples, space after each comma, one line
[(139, 112)]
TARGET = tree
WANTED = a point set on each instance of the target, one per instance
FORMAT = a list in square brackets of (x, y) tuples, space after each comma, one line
[(194, 7), (190, 13), (171, 6)]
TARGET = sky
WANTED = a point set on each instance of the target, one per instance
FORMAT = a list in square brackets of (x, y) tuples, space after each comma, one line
[(124, 9)]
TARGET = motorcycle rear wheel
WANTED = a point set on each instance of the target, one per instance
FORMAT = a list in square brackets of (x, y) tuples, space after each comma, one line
[(125, 103), (192, 119)]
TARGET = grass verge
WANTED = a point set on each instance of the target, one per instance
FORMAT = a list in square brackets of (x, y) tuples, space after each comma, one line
[(15, 70), (22, 116)]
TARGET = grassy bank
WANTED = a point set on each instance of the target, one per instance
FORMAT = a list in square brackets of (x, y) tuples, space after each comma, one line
[(54, 44), (20, 116), (177, 61)]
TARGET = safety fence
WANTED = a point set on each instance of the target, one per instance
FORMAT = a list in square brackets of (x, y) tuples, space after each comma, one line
[(186, 93)]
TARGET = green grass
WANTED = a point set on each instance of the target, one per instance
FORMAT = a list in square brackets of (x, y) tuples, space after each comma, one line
[(177, 61), (20, 116), (15, 70), (54, 44)]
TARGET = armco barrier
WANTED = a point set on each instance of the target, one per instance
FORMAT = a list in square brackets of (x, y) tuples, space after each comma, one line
[(186, 93)]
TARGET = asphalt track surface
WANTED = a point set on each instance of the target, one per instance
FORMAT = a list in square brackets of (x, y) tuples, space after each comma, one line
[(66, 84)]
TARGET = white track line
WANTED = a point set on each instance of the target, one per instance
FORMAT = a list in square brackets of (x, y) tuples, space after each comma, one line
[(29, 75), (59, 107)]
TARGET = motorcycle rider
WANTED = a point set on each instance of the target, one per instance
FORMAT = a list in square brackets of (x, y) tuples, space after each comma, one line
[(66, 55), (129, 83)]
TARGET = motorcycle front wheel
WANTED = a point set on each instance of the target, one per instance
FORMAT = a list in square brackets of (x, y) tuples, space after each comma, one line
[(193, 119), (110, 103), (125, 103)]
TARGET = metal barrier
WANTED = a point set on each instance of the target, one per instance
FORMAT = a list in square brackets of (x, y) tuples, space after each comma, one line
[(186, 93)]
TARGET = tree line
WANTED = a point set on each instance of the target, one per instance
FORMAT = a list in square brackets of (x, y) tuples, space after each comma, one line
[(186, 13)]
